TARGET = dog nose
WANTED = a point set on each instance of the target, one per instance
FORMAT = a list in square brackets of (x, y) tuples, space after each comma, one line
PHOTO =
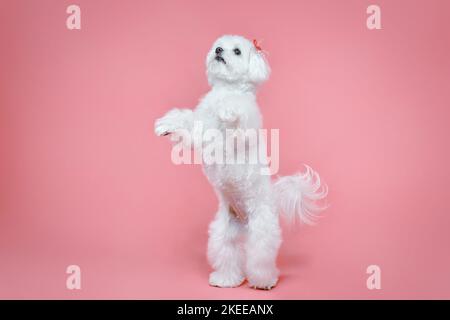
[(219, 50)]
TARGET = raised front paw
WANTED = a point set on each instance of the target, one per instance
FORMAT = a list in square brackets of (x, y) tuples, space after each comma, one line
[(162, 128), (173, 120), (229, 114)]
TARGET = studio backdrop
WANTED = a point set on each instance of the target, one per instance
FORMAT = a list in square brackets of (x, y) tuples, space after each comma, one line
[(92, 205)]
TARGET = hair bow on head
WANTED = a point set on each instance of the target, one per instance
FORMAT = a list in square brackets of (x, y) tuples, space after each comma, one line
[(257, 46)]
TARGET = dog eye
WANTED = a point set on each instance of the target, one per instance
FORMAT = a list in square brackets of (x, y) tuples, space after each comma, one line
[(237, 51)]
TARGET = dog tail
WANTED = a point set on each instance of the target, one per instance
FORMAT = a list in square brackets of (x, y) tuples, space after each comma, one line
[(298, 196)]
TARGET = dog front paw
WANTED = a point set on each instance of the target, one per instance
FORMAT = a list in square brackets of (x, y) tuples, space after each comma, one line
[(173, 120), (229, 114), (162, 129), (225, 280)]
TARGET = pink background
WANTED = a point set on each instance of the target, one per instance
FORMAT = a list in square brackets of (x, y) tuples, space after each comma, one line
[(83, 179)]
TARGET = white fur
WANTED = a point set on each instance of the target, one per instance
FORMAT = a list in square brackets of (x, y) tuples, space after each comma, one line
[(245, 235)]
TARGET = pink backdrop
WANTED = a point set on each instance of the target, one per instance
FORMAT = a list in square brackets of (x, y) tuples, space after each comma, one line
[(83, 179)]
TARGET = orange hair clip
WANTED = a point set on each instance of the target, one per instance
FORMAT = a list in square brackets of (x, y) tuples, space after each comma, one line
[(255, 43)]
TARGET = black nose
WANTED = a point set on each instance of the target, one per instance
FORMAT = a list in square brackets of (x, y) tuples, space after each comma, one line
[(219, 50)]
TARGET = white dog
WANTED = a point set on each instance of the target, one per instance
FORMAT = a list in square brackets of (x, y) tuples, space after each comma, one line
[(245, 235)]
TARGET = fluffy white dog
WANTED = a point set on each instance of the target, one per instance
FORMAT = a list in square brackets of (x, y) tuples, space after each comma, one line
[(245, 235)]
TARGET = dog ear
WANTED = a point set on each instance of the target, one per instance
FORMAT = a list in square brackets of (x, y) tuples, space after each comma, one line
[(258, 69)]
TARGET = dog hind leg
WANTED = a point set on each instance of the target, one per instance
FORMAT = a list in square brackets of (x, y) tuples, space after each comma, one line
[(263, 242), (225, 252)]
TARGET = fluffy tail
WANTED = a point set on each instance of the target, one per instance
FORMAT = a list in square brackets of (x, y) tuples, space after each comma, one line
[(298, 196)]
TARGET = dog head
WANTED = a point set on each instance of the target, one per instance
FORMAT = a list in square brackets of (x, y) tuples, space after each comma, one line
[(235, 60)]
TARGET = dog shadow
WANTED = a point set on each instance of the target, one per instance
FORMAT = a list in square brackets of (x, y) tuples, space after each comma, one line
[(291, 264)]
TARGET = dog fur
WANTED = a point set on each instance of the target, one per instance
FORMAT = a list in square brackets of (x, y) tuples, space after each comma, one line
[(245, 235)]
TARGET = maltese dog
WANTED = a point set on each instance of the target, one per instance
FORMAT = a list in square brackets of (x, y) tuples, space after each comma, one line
[(245, 235)]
